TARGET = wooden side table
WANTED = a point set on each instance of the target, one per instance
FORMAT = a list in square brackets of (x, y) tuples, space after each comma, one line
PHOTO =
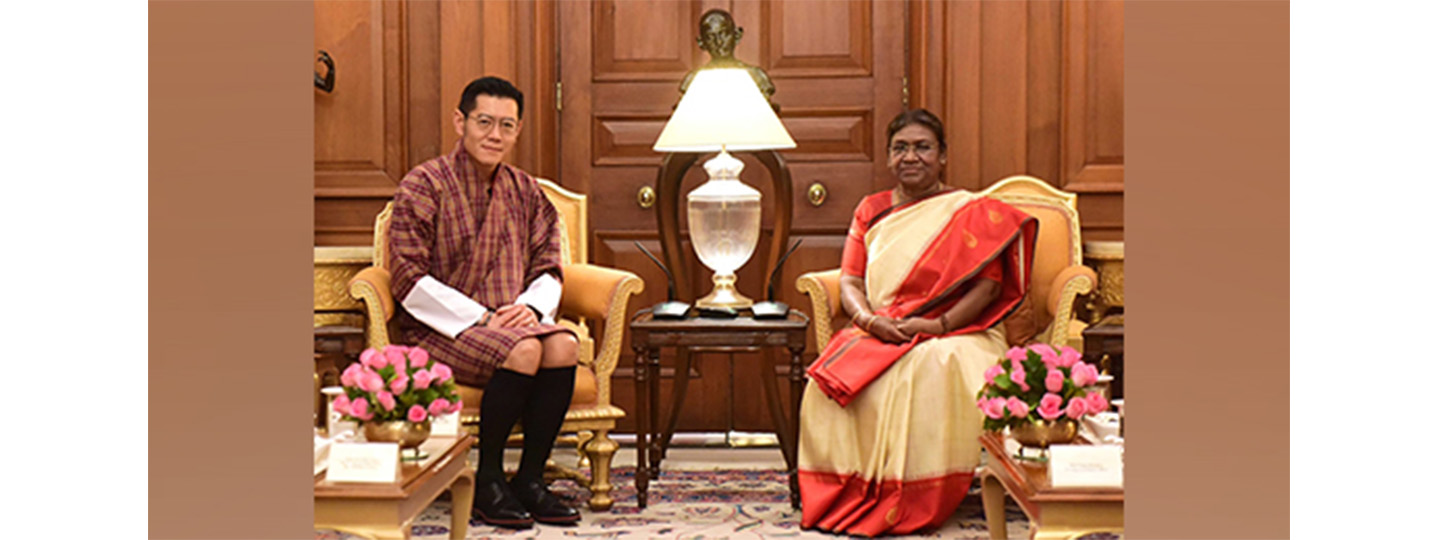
[(385, 510), (1105, 348), (336, 347), (1108, 260), (648, 336), (1055, 513)]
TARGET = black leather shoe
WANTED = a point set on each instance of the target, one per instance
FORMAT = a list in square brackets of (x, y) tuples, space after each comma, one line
[(543, 506), (496, 505)]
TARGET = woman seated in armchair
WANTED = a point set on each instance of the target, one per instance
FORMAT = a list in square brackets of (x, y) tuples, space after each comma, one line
[(888, 425)]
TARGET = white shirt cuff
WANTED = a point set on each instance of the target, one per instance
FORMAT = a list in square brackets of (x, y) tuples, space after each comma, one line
[(544, 295), (441, 307)]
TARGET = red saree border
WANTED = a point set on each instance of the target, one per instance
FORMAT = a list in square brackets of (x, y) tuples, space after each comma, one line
[(850, 504)]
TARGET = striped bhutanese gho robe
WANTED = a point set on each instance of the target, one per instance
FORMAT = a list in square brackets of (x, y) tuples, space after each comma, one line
[(485, 237)]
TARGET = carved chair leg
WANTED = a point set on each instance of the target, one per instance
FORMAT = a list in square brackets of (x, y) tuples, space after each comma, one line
[(583, 438), (600, 450)]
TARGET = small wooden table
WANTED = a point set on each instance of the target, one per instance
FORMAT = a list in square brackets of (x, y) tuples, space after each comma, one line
[(693, 334), (1055, 513), (336, 347), (384, 511), (1105, 349)]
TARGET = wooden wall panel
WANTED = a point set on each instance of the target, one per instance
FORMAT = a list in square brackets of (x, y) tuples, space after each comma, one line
[(627, 139), (1102, 216), (643, 39), (350, 132), (1043, 84), (1028, 88), (633, 115), (422, 74), (926, 34), (361, 147), (960, 107), (845, 184), (830, 134), (1094, 137), (461, 61), (817, 38), (1002, 90), (537, 74)]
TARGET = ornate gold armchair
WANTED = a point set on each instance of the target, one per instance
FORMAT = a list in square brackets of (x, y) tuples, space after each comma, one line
[(1058, 276), (590, 293)]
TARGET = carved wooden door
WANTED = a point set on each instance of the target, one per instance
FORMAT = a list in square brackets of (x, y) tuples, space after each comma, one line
[(838, 69), (383, 114)]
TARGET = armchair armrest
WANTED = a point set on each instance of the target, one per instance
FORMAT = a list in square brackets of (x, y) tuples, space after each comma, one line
[(1069, 283), (823, 288), (591, 291), (372, 288), (603, 294)]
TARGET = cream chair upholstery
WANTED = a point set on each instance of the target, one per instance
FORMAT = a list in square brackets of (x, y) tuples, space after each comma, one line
[(1058, 275), (589, 293)]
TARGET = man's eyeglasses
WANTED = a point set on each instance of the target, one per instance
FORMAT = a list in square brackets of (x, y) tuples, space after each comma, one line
[(921, 149), (487, 123)]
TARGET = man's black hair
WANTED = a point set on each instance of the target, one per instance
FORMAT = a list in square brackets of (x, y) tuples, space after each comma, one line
[(491, 86)]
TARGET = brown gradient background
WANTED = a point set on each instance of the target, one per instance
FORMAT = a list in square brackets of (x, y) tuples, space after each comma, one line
[(231, 137), (1207, 213)]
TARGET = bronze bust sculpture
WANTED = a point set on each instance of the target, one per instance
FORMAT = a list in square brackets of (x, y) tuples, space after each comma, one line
[(718, 36)]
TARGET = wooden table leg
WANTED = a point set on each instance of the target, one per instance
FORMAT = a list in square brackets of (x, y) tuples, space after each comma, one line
[(797, 389), (654, 429), (677, 397), (1066, 520), (462, 497), (992, 497), (642, 423), (784, 427), (778, 417)]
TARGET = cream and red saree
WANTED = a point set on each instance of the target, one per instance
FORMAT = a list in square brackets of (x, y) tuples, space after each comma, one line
[(888, 432)]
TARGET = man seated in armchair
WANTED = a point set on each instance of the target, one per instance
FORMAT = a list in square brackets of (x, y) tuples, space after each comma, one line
[(475, 258)]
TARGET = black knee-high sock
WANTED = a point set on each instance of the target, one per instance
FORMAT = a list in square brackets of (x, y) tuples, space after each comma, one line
[(502, 404), (543, 415)]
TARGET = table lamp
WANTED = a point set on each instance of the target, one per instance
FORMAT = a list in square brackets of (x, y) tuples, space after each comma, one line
[(723, 110)]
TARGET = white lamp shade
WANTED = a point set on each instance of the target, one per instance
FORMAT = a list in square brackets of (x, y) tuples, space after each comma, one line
[(723, 109)]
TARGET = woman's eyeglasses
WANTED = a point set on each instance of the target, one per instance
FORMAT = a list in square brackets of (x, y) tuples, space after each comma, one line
[(921, 149)]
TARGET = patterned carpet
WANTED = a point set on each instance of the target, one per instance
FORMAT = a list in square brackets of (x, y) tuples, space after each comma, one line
[(693, 505)]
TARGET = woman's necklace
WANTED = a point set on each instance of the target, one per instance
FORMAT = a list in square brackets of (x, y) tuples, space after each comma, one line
[(901, 197)]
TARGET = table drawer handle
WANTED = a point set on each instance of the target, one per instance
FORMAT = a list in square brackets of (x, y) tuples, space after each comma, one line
[(645, 197), (817, 194)]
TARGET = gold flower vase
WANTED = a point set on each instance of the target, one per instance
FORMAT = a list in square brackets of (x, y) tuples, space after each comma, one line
[(1043, 433), (409, 435)]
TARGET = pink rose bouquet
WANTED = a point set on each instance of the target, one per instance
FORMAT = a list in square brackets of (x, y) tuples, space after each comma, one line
[(1035, 383), (397, 383)]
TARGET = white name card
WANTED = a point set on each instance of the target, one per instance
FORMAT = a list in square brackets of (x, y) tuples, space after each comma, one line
[(322, 454), (447, 425), (1080, 465), (364, 462)]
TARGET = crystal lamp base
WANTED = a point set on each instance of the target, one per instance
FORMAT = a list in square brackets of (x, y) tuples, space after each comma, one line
[(724, 294)]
